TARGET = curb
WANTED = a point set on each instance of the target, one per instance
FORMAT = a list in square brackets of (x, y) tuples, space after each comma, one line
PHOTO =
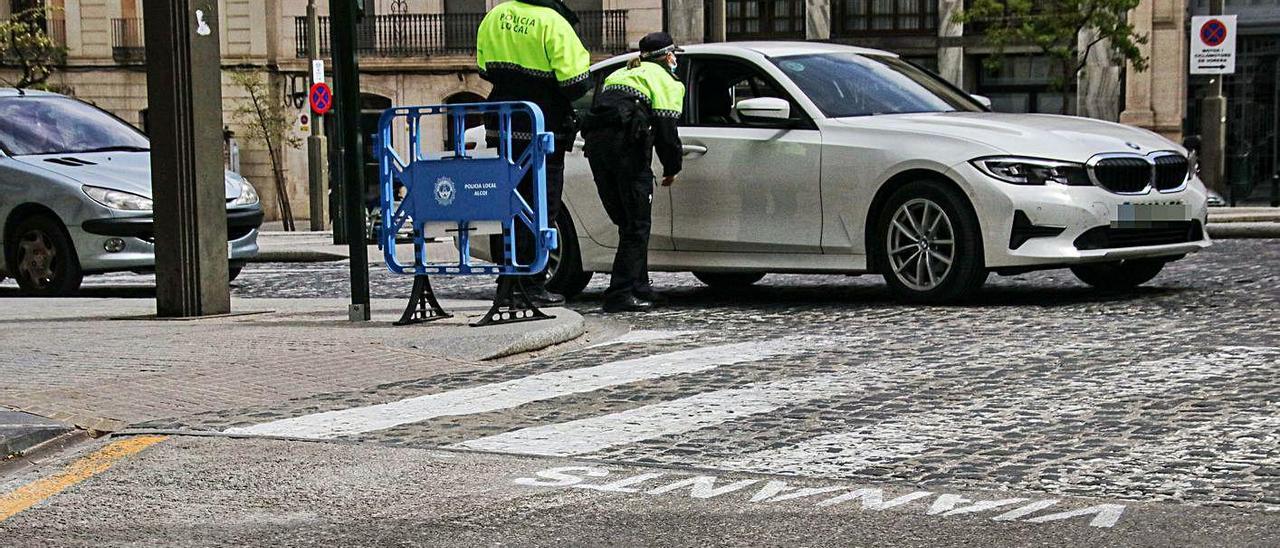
[(1243, 230), (561, 333), (16, 437), (296, 256)]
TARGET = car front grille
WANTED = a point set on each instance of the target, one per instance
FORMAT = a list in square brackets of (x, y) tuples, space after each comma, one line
[(1126, 175), (1171, 171), (1159, 233)]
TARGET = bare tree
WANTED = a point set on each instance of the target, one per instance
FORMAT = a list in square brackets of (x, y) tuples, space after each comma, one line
[(265, 116)]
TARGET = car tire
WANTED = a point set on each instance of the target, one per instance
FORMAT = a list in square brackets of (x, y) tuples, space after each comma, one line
[(564, 266), (1125, 274), (729, 280), (43, 260), (951, 233)]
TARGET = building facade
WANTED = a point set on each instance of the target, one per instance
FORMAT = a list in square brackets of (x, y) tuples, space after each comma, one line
[(422, 52), (411, 52)]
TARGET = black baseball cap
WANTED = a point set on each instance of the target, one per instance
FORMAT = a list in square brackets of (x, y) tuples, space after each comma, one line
[(657, 44)]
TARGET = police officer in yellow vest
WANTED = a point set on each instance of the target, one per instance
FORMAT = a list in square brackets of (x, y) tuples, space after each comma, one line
[(636, 113), (529, 51)]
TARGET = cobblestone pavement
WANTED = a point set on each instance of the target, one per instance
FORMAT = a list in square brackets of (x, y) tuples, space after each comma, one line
[(1167, 393)]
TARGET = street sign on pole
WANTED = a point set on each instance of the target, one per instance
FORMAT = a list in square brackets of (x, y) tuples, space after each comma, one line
[(317, 71), (1213, 44), (321, 98)]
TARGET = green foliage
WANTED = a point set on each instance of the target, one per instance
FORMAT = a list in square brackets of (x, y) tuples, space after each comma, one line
[(25, 44), (1055, 27), (269, 124)]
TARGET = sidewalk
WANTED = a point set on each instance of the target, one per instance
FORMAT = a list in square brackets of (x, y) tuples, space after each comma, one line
[(1244, 222), (103, 364)]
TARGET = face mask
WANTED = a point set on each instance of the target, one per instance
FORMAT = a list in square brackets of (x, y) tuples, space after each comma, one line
[(674, 63)]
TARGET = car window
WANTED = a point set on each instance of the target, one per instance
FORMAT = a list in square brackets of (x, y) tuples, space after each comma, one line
[(719, 84), (61, 125), (849, 84)]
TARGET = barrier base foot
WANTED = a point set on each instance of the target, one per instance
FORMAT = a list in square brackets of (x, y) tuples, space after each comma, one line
[(512, 305), (423, 306)]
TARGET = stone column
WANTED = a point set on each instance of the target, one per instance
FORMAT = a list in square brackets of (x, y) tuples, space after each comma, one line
[(718, 26), (950, 44), (184, 86), (817, 18), (1098, 87), (1156, 99), (685, 21)]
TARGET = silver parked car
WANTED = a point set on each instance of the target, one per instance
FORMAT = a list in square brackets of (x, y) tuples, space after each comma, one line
[(75, 195)]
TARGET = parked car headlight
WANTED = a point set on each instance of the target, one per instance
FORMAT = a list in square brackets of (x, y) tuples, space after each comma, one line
[(1030, 171), (116, 199), (248, 196)]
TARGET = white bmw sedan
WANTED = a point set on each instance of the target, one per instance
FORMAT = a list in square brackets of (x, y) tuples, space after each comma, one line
[(818, 158)]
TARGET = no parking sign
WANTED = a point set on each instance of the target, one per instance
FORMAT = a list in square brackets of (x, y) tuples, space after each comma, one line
[(1213, 44), (321, 98)]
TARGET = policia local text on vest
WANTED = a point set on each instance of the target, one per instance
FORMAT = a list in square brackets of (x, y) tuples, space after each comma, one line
[(529, 51)]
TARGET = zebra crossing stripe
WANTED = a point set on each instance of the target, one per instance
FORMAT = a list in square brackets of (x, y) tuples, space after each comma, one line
[(593, 434), (643, 336), (513, 393)]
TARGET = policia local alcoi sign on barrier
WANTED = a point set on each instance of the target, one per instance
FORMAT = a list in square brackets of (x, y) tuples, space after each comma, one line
[(1213, 44)]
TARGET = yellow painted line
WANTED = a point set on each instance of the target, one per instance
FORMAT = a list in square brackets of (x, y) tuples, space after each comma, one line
[(36, 492)]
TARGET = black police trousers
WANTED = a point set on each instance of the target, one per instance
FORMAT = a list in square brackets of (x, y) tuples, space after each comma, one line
[(625, 183), (526, 242)]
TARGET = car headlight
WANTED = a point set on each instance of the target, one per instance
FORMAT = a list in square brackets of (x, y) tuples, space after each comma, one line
[(1031, 171), (248, 196), (116, 199)]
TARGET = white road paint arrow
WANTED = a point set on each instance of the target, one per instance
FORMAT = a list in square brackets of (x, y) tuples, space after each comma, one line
[(505, 395)]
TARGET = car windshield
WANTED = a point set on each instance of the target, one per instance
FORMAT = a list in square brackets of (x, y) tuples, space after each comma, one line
[(60, 125), (849, 84)]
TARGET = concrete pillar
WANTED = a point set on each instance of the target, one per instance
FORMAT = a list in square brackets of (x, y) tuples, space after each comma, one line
[(1098, 86), (718, 26), (950, 45), (184, 86), (685, 21), (1156, 99), (817, 18)]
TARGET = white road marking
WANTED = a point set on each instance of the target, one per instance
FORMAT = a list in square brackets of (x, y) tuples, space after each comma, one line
[(644, 336), (513, 393), (584, 436)]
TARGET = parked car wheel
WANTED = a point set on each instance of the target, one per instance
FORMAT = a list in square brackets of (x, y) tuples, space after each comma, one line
[(42, 258), (729, 280), (564, 264), (1125, 274), (931, 249)]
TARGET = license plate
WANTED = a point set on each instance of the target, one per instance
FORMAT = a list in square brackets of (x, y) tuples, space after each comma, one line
[(1149, 214)]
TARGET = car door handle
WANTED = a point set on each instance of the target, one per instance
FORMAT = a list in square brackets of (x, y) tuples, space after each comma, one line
[(694, 150)]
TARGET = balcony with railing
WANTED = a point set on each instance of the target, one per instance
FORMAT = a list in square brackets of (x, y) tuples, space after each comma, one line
[(430, 34), (127, 44)]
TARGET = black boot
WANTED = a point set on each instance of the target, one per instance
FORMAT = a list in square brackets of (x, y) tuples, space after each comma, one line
[(626, 303)]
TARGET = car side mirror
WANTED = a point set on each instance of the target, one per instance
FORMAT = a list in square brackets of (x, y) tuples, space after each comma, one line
[(982, 100), (763, 110)]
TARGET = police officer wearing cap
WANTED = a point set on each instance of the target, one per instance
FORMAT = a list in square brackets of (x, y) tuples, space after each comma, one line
[(529, 51), (635, 114)]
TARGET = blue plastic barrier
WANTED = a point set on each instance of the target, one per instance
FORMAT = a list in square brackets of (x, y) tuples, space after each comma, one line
[(458, 190), (462, 194)]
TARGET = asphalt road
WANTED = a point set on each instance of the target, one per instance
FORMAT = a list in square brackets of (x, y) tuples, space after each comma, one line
[(1043, 412)]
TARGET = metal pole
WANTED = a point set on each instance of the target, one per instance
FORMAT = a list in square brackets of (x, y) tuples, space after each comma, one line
[(343, 15), (317, 145), (184, 89), (1213, 127)]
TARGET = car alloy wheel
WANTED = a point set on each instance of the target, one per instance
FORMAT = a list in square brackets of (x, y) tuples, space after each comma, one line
[(921, 244), (36, 258)]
